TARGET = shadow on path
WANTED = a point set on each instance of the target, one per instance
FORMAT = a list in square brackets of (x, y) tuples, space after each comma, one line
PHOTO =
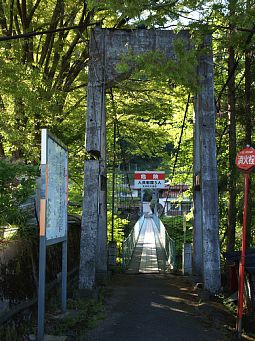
[(157, 307)]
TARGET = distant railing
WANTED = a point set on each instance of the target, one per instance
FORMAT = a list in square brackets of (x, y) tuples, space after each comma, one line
[(167, 242), (129, 243)]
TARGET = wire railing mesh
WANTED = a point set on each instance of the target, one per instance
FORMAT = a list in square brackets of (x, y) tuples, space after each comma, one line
[(167, 242), (130, 242)]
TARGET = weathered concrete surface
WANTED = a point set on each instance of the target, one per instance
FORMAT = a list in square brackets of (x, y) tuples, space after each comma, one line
[(187, 259), (197, 198), (102, 251), (89, 231), (159, 307), (208, 166)]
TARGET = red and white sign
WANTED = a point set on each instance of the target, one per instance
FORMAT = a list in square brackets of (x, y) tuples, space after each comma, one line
[(147, 179), (245, 159)]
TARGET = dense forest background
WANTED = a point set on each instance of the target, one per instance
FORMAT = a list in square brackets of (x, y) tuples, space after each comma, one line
[(44, 79)]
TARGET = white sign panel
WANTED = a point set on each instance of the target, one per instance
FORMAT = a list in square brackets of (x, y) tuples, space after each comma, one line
[(56, 189), (147, 179)]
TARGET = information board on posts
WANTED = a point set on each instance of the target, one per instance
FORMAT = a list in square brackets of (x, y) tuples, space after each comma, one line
[(53, 216), (149, 179), (56, 186)]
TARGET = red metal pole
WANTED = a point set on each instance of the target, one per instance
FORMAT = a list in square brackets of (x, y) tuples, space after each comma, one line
[(242, 260)]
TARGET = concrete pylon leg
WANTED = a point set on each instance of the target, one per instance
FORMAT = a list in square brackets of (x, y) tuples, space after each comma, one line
[(93, 249), (208, 166), (94, 220), (197, 224), (89, 231), (101, 254)]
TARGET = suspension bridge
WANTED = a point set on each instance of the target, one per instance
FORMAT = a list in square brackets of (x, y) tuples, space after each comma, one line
[(148, 248)]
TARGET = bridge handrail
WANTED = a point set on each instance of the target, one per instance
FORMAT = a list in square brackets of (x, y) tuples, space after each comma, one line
[(167, 242), (129, 243)]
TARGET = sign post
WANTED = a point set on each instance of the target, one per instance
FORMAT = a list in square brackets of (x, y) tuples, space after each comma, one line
[(245, 161), (53, 215)]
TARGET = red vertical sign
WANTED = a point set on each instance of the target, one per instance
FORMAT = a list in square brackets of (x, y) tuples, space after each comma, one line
[(245, 161)]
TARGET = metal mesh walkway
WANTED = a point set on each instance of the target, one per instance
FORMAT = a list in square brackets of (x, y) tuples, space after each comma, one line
[(149, 255)]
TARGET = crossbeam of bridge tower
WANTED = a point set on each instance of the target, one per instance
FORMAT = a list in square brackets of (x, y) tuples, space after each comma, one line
[(106, 50)]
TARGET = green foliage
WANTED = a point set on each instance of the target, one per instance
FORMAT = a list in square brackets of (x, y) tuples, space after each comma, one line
[(149, 115), (17, 183), (9, 333), (155, 65), (43, 80), (174, 227), (118, 232), (35, 91), (83, 314), (230, 305)]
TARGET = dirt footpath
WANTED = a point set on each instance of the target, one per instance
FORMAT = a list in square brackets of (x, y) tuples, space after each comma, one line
[(160, 307)]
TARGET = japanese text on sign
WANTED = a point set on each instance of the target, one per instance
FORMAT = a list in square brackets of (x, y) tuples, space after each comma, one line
[(246, 160), (148, 179)]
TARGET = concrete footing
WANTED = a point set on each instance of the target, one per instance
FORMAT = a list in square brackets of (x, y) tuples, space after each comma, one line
[(102, 277), (187, 259), (88, 294), (112, 253)]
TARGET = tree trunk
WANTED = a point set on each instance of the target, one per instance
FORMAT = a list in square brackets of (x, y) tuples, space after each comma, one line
[(232, 153), (248, 132), (2, 153)]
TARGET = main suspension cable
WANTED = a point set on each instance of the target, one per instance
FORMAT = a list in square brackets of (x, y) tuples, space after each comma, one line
[(178, 150)]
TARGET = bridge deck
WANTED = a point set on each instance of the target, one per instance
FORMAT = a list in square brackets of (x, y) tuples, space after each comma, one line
[(149, 255)]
